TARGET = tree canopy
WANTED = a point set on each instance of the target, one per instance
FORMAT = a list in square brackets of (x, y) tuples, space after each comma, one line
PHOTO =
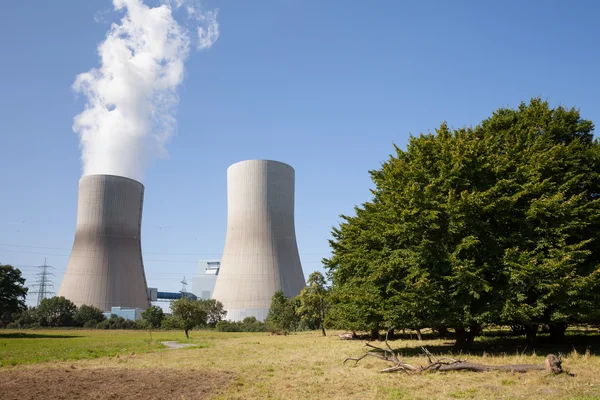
[(88, 316), (496, 223), (189, 313), (56, 311), (153, 315), (282, 314), (314, 302), (12, 293), (214, 311)]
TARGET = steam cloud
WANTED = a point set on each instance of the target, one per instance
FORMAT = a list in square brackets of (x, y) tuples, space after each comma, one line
[(132, 96)]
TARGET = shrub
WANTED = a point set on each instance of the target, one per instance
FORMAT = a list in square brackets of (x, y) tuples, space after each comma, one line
[(88, 316), (115, 322), (228, 326), (154, 316), (249, 324), (170, 322)]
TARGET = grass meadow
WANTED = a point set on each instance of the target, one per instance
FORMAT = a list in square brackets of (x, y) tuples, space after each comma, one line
[(306, 365)]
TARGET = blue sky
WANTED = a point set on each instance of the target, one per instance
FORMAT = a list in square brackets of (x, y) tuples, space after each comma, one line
[(326, 86)]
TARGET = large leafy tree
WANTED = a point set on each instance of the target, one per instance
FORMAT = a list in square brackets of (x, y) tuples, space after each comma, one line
[(314, 300), (496, 223), (12, 293)]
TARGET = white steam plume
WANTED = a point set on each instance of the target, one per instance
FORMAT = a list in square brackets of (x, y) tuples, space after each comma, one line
[(131, 97)]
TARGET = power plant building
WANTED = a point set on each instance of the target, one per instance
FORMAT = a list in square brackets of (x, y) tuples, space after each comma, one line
[(260, 255), (105, 269), (203, 283)]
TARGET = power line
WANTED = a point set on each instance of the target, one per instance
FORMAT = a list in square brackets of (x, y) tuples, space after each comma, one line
[(146, 252)]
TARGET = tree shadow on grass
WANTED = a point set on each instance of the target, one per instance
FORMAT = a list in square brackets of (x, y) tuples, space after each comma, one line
[(22, 335), (580, 341)]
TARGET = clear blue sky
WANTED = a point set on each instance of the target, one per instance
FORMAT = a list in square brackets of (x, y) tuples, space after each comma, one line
[(326, 86)]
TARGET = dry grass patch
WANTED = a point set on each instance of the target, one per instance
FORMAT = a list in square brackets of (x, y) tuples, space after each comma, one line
[(308, 366)]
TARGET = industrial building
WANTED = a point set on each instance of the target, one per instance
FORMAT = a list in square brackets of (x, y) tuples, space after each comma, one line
[(260, 254), (105, 269), (134, 314), (203, 283)]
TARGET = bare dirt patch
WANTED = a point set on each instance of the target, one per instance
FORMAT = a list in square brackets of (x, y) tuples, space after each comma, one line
[(107, 383)]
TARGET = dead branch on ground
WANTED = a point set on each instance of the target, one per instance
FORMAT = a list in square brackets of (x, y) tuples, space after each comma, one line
[(552, 363)]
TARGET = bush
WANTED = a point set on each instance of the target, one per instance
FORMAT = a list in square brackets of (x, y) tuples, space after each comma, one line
[(249, 324), (88, 316), (170, 322), (228, 326), (115, 322), (29, 318), (91, 324), (282, 316), (153, 316)]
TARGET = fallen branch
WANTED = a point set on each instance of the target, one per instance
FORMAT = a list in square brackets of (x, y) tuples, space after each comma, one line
[(552, 364)]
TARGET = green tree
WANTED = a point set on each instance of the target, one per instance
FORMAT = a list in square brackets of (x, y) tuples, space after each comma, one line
[(551, 187), (12, 294), (313, 301), (153, 315), (56, 311), (282, 314), (497, 223), (88, 316), (27, 319), (190, 313), (214, 311)]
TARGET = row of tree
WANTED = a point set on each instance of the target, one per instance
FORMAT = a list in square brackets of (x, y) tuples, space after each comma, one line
[(187, 314)]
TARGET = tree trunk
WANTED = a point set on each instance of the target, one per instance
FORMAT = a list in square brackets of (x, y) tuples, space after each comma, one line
[(390, 333), (461, 339), (473, 331), (374, 334), (323, 330), (186, 334), (557, 331), (442, 330), (531, 332), (419, 336)]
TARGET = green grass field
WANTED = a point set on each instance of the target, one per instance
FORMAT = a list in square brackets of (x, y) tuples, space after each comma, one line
[(308, 366), (43, 346)]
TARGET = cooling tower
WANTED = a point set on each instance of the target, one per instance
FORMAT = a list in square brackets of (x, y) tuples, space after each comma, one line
[(106, 268), (260, 254)]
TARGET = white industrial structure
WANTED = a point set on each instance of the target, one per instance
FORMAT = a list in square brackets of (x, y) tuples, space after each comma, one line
[(260, 255), (203, 283), (106, 268)]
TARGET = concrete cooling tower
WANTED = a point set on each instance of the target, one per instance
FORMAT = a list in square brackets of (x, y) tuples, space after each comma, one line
[(106, 268), (260, 254)]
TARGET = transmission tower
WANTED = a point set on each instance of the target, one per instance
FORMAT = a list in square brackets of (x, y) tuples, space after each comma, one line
[(43, 283), (184, 287)]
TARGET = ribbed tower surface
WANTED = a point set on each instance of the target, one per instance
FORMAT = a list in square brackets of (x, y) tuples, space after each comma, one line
[(106, 268), (260, 254)]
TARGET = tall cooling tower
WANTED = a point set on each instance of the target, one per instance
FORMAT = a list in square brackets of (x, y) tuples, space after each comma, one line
[(106, 269), (260, 254)]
